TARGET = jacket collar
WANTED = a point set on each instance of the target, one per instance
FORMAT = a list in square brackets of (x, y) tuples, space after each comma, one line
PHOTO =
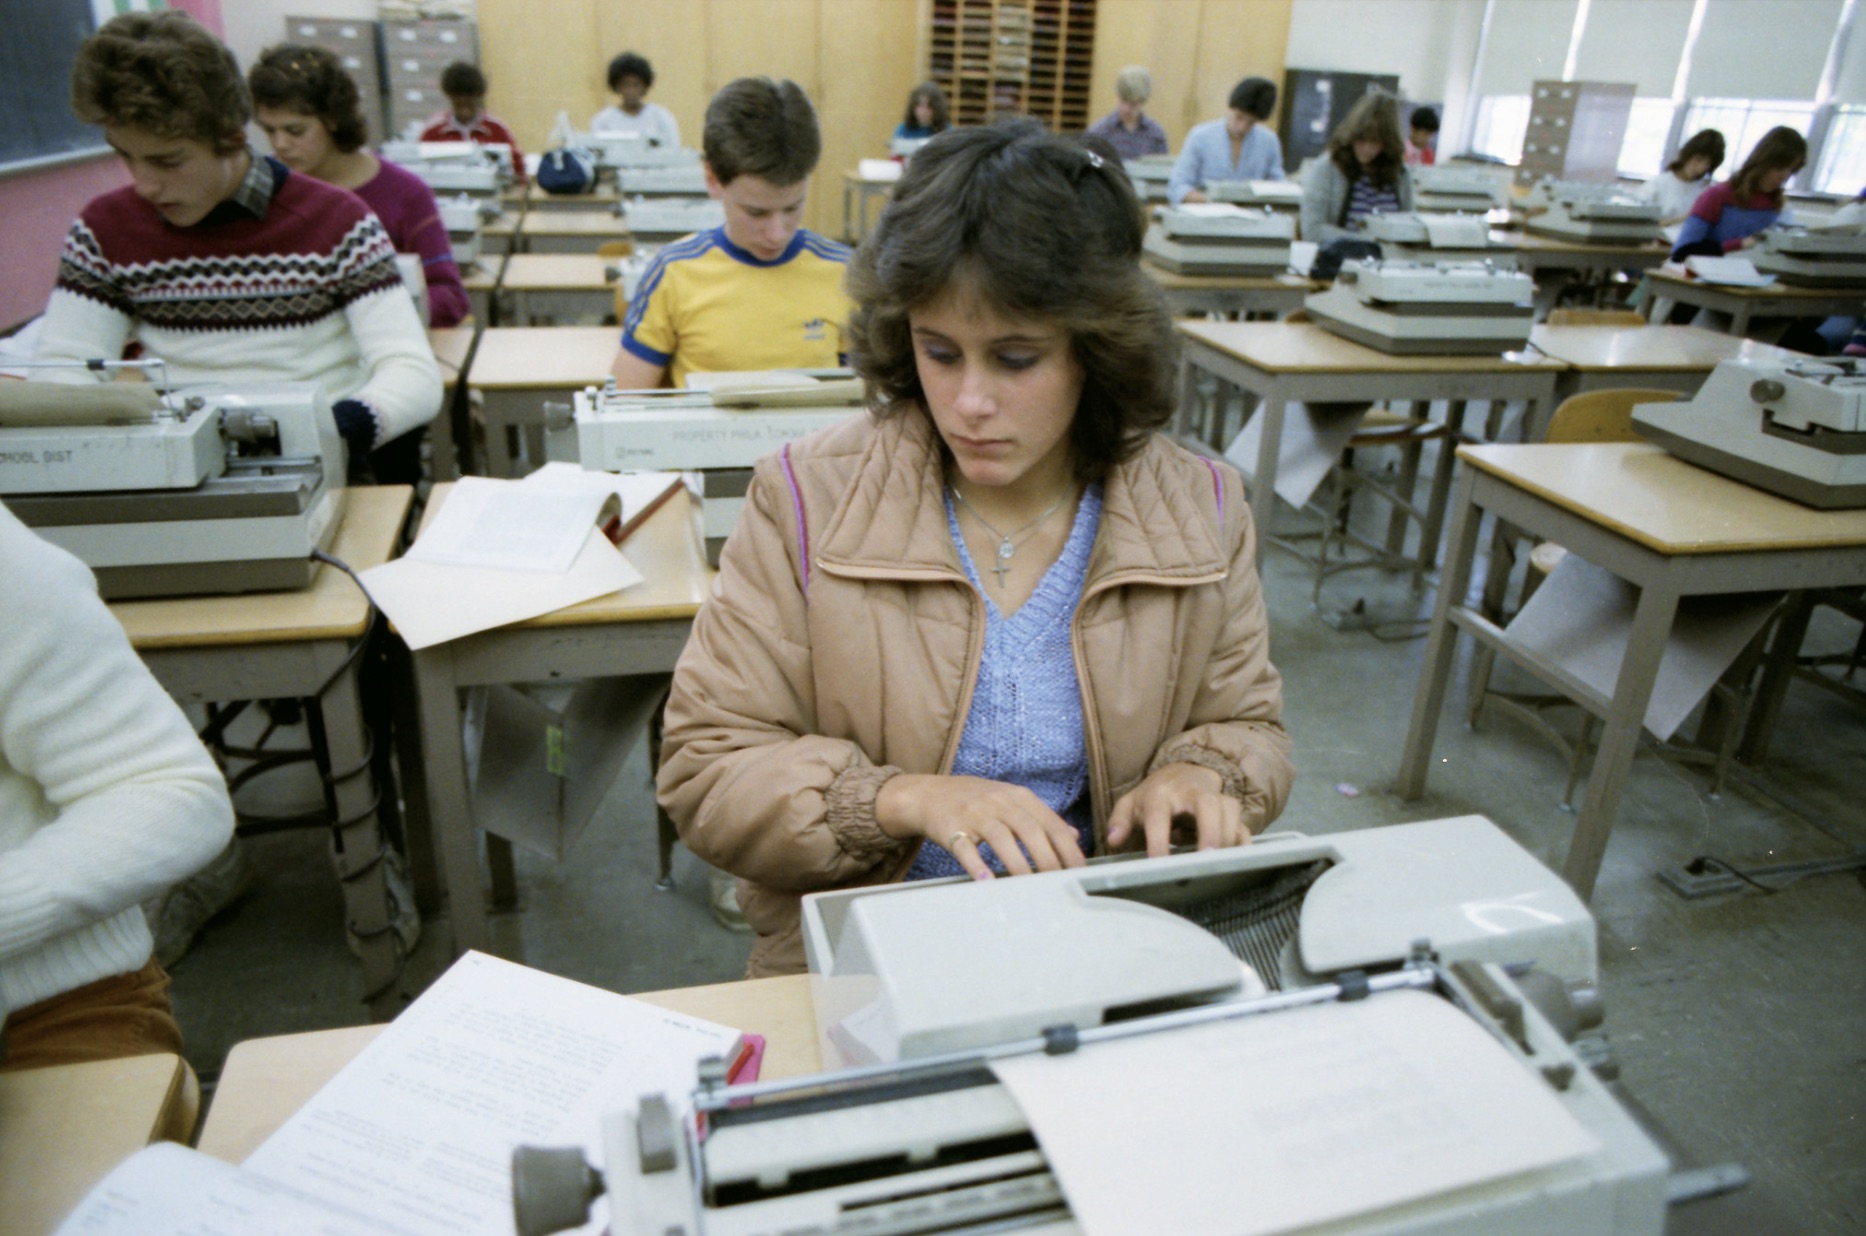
[(892, 520)]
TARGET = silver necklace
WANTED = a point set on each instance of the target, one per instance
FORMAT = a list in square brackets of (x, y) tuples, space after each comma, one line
[(1007, 541)]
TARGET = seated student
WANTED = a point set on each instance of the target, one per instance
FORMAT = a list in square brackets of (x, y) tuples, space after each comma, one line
[(630, 78), (106, 797), (1422, 143), (927, 113), (1237, 146), (466, 118), (308, 108), (1675, 189), (223, 263), (1043, 634), (1364, 172), (1129, 129), (760, 291), (1727, 216)]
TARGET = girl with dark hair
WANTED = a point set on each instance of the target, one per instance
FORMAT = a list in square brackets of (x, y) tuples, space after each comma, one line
[(309, 110), (927, 113), (1363, 173), (1727, 216), (1685, 177), (1040, 626)]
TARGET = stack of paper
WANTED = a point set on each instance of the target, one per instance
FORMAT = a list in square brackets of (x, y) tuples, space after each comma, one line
[(1734, 272)]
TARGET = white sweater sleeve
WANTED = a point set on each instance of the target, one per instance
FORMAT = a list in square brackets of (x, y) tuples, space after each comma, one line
[(80, 329), (106, 795), (401, 381)]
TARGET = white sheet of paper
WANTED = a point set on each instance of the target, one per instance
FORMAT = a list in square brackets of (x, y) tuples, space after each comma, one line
[(635, 489), (1302, 256), (1582, 616), (431, 603), (1737, 272), (170, 1190), (1456, 231), (509, 526), (419, 1128), (1314, 436), (1275, 1123)]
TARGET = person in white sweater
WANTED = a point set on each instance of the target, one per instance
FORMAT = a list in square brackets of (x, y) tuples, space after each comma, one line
[(1676, 188), (106, 796), (226, 265), (630, 78)]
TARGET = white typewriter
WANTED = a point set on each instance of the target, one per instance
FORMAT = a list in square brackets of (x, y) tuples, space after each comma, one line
[(714, 431), (632, 150), (463, 216), (1415, 236), (663, 180), (1285, 195), (1807, 258), (1611, 218), (1428, 308), (1149, 176), (1215, 238), (454, 167), (1796, 429), (933, 1000), (1454, 188), (201, 489), (906, 147), (658, 219)]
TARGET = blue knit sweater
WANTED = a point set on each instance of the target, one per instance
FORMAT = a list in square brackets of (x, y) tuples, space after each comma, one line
[(1025, 725)]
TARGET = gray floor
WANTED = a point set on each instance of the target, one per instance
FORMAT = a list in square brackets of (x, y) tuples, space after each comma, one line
[(1739, 1020)]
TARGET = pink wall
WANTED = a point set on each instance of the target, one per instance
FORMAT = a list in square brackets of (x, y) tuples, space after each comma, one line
[(39, 206)]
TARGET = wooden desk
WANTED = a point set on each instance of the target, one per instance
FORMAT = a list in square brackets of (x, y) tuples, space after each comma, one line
[(1535, 254), (571, 231), (518, 369), (501, 236), (542, 201), (1746, 304), (1673, 358), (64, 1128), (570, 286), (453, 349), (857, 193), (289, 645), (1283, 363), (482, 286), (634, 633), (1271, 295), (266, 1080), (1670, 529)]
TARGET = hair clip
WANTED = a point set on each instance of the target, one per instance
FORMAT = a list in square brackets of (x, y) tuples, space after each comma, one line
[(1095, 160)]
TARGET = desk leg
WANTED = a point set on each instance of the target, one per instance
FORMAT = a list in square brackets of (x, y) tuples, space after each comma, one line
[(1188, 394), (449, 811), (1626, 713), (357, 844), (1778, 670), (1263, 485), (848, 232), (1429, 700), (499, 429)]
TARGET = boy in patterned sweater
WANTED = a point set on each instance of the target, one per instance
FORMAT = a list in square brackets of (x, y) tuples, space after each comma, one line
[(224, 264)]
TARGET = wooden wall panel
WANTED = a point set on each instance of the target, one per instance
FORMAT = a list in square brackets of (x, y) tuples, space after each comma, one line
[(675, 36), (874, 57)]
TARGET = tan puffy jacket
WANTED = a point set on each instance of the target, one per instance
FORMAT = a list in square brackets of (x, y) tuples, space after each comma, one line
[(842, 643)]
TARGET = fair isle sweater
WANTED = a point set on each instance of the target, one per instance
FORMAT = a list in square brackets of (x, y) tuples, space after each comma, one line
[(106, 795), (301, 289)]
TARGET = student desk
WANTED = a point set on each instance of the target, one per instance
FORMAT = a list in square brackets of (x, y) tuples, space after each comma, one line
[(1289, 362), (63, 1128), (453, 349), (1673, 358), (1535, 254), (501, 236), (481, 281), (639, 631), (1274, 295), (1670, 529), (569, 286), (288, 645), (518, 369), (571, 231), (858, 194), (1778, 300), (603, 197), (266, 1080)]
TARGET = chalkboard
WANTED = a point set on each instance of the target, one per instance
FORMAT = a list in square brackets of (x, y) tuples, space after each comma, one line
[(39, 43), (1315, 101)]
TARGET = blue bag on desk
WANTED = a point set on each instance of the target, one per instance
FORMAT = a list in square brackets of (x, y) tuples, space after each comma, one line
[(567, 170)]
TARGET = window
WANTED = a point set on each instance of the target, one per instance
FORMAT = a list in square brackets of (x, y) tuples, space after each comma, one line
[(1743, 122), (1642, 153), (1843, 154), (1502, 122)]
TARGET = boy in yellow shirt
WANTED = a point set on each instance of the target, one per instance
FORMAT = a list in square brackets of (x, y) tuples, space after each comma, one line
[(762, 291)]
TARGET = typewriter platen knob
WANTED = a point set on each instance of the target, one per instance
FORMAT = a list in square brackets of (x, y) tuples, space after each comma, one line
[(552, 1188)]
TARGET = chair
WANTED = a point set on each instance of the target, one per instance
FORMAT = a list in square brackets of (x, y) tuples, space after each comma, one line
[(1600, 416), (1596, 317)]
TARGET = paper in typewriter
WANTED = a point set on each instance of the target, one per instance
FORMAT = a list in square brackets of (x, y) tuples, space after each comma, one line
[(1273, 1123), (1457, 231)]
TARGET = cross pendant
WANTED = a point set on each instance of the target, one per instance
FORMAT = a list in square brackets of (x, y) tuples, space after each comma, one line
[(1003, 567)]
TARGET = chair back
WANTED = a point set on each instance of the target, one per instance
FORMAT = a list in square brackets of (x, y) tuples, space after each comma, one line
[(1602, 416)]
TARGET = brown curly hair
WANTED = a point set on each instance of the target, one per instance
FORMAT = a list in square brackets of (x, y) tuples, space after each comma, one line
[(1376, 115), (294, 77), (1040, 227), (165, 74)]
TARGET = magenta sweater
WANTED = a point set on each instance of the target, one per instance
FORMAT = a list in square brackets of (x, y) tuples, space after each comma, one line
[(405, 204)]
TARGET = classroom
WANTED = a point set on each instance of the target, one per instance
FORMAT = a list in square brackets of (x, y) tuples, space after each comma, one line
[(1408, 552)]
